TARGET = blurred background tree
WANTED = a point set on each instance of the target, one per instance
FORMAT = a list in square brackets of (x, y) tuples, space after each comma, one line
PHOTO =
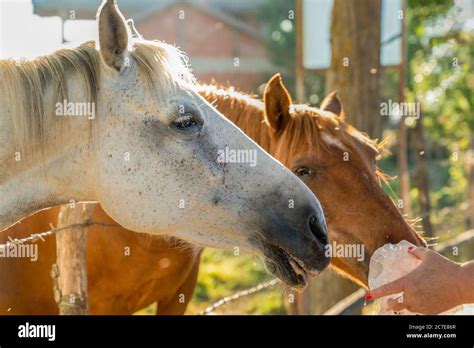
[(279, 22), (441, 52)]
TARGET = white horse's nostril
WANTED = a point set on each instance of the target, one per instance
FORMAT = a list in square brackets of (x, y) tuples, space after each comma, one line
[(317, 230)]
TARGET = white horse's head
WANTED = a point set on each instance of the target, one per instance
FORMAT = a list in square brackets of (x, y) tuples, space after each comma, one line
[(161, 160)]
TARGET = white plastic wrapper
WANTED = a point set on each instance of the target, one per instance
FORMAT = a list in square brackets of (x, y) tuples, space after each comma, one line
[(387, 264), (391, 262)]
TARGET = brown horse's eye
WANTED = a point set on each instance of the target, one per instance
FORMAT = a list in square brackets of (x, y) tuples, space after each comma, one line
[(303, 171)]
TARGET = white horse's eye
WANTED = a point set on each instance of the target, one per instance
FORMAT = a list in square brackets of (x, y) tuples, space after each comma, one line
[(185, 121)]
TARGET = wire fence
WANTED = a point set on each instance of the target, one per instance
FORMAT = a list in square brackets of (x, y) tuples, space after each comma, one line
[(464, 238), (40, 236), (239, 295)]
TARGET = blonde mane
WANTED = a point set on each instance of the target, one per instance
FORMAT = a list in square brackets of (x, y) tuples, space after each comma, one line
[(25, 83)]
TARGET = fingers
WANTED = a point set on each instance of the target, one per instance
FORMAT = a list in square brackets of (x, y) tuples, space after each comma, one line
[(388, 289), (418, 252), (396, 304)]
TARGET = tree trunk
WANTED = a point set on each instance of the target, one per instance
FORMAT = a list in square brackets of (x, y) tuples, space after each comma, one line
[(422, 178), (69, 273), (470, 183), (403, 170), (299, 73), (355, 63), (402, 156)]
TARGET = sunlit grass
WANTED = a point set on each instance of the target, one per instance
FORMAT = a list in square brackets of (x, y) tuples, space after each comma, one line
[(223, 273)]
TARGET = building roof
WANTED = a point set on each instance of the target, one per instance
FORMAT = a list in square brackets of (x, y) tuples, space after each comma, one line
[(141, 10), (214, 11)]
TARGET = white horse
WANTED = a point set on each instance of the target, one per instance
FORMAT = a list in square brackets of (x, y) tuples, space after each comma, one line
[(124, 126)]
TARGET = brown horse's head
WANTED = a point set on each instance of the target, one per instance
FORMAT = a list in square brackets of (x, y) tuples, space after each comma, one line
[(338, 163)]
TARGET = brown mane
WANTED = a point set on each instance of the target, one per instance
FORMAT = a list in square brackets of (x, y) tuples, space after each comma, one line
[(305, 129)]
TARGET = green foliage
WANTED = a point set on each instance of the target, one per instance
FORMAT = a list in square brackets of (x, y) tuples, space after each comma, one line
[(222, 273), (267, 302), (278, 17), (420, 15), (442, 79)]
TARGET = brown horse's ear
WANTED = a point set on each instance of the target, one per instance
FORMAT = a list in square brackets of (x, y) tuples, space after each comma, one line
[(333, 104), (277, 104), (113, 35)]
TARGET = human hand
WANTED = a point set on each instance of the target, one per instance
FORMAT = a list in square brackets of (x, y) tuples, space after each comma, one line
[(436, 285)]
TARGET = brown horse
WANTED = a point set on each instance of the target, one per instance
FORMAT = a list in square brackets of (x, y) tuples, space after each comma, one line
[(125, 273), (335, 160)]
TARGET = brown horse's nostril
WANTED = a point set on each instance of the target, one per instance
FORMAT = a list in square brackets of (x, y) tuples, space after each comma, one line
[(317, 230)]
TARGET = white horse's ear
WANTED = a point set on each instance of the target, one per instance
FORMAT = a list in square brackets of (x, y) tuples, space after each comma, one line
[(113, 34), (133, 30)]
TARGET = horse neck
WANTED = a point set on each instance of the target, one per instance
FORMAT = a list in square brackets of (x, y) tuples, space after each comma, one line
[(245, 112), (35, 176)]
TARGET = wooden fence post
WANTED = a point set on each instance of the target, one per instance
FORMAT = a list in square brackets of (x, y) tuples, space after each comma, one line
[(70, 272)]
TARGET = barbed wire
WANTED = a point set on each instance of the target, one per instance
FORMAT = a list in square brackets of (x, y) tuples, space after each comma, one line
[(225, 300), (238, 295), (40, 236)]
